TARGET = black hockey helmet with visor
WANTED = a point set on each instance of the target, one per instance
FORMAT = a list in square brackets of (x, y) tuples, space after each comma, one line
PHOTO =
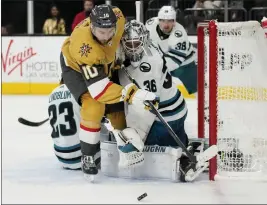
[(103, 16)]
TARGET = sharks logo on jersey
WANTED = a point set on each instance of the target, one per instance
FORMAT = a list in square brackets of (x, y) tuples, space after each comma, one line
[(145, 67), (178, 33)]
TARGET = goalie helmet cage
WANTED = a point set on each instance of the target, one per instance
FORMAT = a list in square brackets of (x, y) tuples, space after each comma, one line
[(232, 97)]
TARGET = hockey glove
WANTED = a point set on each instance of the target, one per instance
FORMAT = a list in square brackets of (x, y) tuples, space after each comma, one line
[(132, 95), (154, 102)]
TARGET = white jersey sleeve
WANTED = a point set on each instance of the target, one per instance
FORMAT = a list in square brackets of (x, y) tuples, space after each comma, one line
[(64, 116)]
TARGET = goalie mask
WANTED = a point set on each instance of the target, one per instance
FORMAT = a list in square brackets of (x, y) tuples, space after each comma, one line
[(135, 41)]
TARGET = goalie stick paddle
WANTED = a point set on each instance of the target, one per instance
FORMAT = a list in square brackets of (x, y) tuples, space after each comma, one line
[(31, 124), (191, 157)]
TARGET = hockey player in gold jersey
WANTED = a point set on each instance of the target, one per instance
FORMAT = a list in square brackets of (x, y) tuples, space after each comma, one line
[(87, 61)]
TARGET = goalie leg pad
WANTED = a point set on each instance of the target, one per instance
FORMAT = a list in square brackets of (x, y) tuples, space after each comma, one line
[(161, 163)]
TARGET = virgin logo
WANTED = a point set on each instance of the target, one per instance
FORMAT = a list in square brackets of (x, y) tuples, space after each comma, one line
[(11, 61)]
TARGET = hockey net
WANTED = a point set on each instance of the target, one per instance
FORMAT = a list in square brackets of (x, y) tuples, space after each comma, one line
[(232, 97)]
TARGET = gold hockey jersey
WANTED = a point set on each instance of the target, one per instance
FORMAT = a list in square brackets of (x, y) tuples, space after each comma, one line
[(83, 53)]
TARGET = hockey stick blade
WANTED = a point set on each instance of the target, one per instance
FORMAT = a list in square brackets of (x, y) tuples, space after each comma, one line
[(207, 154), (31, 124), (190, 174)]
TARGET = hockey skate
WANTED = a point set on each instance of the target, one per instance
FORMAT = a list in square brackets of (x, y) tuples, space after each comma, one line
[(89, 168)]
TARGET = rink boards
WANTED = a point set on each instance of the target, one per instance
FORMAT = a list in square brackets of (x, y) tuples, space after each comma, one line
[(30, 64)]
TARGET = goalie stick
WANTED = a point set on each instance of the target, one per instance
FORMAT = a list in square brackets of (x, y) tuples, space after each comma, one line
[(32, 124), (195, 161)]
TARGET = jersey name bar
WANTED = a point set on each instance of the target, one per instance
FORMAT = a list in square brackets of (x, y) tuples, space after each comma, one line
[(60, 95)]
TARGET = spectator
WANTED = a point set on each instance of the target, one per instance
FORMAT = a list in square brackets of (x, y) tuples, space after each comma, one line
[(237, 14), (88, 5), (208, 4), (55, 24), (7, 30), (4, 31)]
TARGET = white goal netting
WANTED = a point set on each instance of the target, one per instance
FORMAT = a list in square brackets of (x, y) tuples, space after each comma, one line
[(240, 89)]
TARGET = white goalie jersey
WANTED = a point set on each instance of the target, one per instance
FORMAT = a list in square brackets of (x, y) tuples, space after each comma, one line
[(160, 162), (64, 116), (152, 75), (177, 48)]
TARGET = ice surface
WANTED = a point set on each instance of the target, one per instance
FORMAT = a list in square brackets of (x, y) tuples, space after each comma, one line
[(31, 174)]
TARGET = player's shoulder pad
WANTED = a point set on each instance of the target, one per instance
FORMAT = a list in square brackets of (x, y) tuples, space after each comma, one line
[(120, 21), (61, 87), (178, 31), (119, 14), (84, 23), (153, 60), (154, 48), (178, 34), (58, 89), (82, 46), (152, 22)]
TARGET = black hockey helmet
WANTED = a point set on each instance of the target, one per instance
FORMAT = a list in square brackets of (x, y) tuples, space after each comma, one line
[(102, 16)]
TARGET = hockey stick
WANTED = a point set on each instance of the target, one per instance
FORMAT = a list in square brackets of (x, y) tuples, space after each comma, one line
[(106, 122), (32, 124), (194, 159)]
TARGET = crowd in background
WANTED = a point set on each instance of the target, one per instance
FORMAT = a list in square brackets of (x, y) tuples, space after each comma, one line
[(60, 18)]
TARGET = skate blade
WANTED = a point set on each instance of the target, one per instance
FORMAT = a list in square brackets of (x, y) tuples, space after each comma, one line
[(90, 178)]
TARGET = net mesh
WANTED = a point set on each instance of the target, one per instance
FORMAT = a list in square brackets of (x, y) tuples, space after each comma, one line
[(241, 99)]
